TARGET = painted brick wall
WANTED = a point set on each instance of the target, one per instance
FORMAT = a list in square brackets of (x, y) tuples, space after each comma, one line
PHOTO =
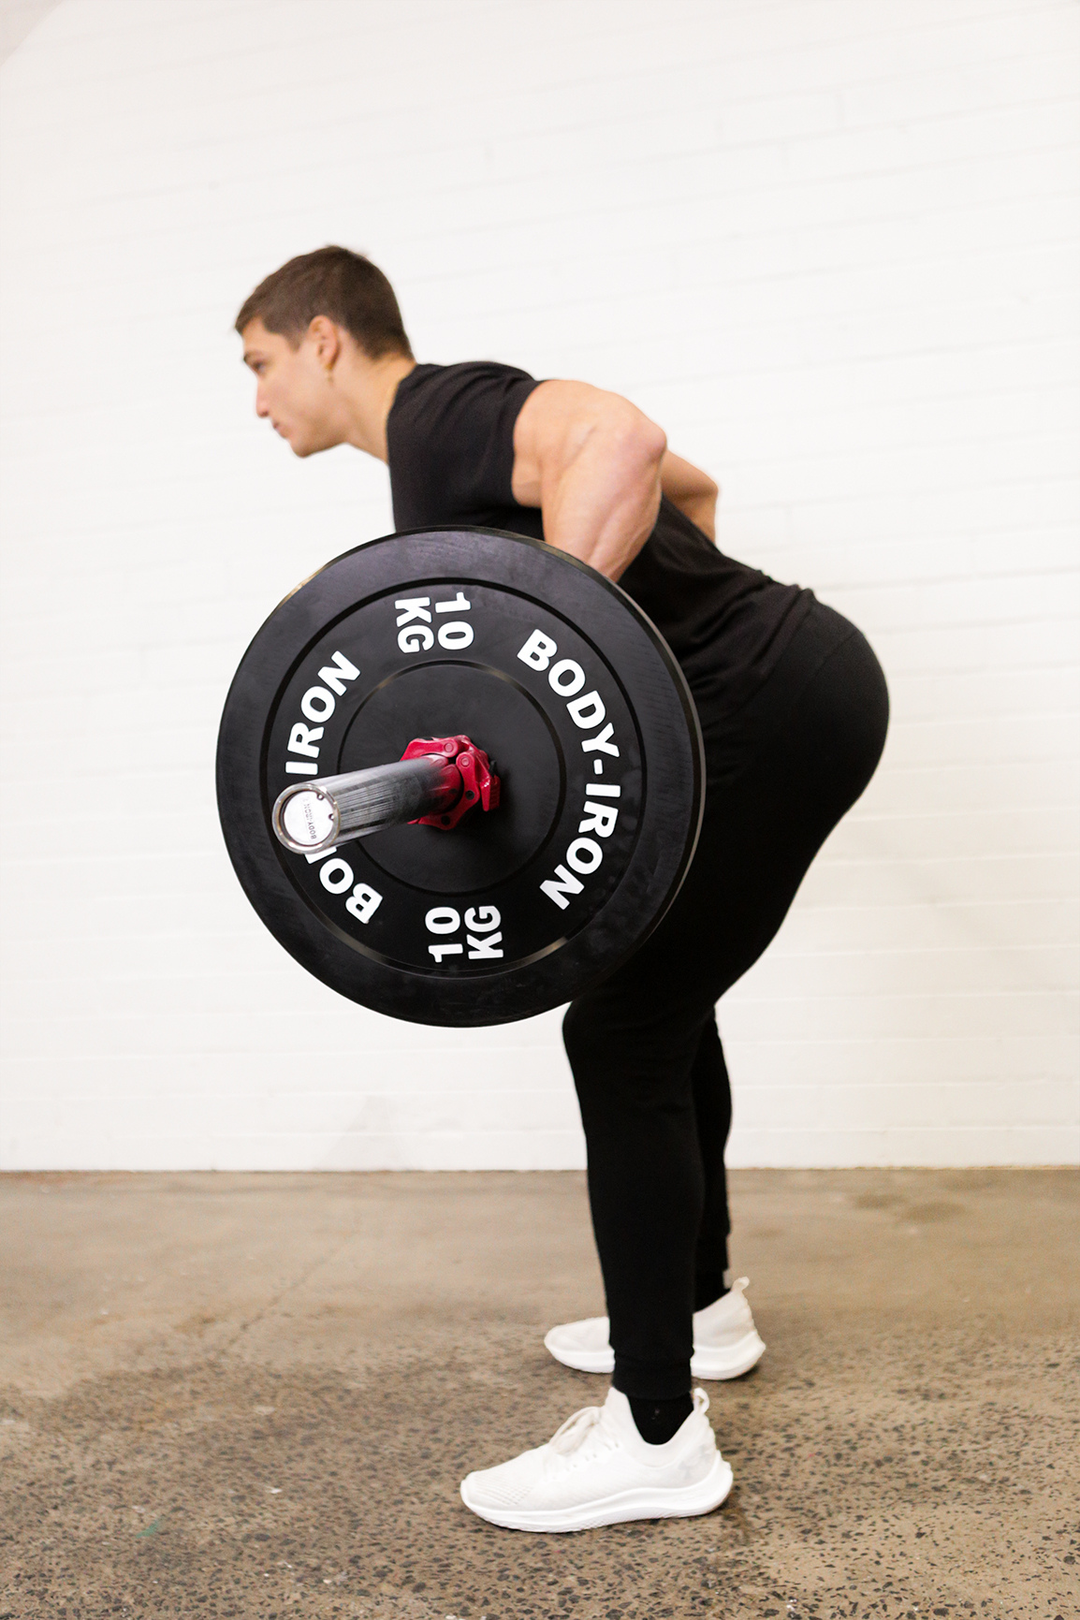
[(831, 246)]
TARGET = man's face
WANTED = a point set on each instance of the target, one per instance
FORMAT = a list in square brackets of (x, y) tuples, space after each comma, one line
[(293, 389)]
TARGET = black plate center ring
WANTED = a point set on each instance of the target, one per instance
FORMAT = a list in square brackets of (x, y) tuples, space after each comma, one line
[(443, 698)]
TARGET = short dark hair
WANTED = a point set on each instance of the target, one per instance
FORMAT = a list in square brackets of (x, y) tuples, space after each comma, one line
[(335, 282)]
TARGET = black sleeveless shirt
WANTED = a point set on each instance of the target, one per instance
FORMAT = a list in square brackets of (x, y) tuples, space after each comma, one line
[(450, 436)]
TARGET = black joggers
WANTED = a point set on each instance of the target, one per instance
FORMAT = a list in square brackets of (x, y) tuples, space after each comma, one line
[(644, 1046)]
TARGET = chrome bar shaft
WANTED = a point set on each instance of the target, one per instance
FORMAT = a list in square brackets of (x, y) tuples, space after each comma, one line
[(315, 815)]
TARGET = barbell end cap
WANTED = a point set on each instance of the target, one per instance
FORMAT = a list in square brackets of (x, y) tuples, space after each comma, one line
[(306, 819)]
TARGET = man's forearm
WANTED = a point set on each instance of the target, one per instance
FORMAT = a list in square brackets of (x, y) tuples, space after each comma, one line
[(691, 490)]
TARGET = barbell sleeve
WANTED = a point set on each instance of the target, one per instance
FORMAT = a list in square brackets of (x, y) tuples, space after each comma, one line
[(316, 815)]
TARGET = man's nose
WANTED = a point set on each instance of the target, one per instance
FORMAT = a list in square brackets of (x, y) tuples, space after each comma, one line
[(261, 407)]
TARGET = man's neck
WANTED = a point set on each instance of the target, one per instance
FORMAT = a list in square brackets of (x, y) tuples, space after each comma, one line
[(369, 389)]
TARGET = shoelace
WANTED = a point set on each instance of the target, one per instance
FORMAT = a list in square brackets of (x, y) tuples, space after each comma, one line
[(574, 1432)]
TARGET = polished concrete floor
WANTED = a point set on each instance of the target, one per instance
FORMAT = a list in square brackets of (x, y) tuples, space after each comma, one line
[(254, 1395)]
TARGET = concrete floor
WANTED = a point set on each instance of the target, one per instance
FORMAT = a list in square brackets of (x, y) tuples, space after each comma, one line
[(254, 1395)]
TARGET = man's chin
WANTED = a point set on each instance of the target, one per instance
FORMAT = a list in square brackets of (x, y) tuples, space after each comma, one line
[(307, 447)]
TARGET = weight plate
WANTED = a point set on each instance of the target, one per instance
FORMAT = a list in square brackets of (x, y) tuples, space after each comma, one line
[(560, 678)]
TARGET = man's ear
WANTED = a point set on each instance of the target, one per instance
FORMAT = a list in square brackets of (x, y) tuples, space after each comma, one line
[(325, 339)]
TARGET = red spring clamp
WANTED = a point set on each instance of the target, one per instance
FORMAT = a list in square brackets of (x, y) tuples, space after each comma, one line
[(479, 784)]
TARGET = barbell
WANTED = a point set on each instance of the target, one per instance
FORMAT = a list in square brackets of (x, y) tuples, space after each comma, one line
[(459, 776)]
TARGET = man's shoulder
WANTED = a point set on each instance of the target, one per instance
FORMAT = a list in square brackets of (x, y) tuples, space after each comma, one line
[(450, 442), (473, 398), (462, 377)]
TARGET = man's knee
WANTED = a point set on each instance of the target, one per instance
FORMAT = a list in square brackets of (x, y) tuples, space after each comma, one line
[(645, 1060), (586, 1038)]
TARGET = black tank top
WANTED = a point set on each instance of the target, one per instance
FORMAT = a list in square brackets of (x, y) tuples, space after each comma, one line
[(450, 437)]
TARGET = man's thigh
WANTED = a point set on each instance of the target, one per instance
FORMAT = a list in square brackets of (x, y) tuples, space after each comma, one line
[(650, 1012)]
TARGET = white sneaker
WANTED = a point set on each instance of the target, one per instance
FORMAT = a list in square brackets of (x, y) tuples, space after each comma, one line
[(597, 1469), (726, 1342)]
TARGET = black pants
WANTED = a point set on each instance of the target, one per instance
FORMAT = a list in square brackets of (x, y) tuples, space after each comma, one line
[(644, 1046)]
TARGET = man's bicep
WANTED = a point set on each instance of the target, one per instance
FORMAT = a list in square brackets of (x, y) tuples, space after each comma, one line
[(552, 426)]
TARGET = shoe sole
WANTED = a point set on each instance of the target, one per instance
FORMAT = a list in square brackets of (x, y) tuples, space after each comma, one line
[(683, 1502), (713, 1365)]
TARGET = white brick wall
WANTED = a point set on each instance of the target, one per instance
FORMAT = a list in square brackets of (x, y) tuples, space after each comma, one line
[(828, 244)]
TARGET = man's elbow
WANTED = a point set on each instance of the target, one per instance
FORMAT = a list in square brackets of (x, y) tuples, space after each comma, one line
[(639, 443), (653, 442)]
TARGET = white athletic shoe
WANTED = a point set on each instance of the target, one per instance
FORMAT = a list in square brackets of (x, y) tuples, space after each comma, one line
[(597, 1470), (726, 1342)]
